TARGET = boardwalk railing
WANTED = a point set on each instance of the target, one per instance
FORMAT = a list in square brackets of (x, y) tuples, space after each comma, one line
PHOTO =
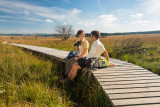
[(125, 85)]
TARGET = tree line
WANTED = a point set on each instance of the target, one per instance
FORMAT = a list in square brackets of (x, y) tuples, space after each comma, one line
[(65, 31)]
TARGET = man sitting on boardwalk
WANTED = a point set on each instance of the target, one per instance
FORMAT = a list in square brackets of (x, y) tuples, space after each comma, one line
[(96, 50)]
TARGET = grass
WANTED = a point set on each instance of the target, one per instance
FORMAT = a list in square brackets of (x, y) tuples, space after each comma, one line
[(28, 80)]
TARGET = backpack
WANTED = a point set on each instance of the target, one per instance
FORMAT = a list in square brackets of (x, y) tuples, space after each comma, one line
[(100, 62), (77, 43), (71, 54)]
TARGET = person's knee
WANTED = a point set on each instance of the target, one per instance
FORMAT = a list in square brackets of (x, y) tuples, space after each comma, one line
[(74, 64)]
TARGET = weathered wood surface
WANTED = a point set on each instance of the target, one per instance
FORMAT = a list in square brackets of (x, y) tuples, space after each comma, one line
[(57, 54), (126, 85)]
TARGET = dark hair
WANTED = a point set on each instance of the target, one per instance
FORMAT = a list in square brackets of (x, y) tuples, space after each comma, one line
[(79, 32), (95, 33)]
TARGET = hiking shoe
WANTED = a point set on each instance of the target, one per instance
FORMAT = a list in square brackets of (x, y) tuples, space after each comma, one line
[(65, 80)]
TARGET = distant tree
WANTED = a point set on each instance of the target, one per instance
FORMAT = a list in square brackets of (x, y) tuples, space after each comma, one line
[(64, 31), (11, 37)]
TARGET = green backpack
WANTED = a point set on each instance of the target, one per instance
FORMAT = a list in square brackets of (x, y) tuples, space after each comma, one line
[(100, 62)]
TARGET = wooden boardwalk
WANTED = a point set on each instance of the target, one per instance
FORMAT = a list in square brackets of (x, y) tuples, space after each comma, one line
[(125, 85)]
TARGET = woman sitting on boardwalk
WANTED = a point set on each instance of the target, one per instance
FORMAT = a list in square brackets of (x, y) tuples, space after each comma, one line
[(82, 51)]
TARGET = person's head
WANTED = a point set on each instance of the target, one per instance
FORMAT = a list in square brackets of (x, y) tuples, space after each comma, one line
[(81, 34), (95, 34)]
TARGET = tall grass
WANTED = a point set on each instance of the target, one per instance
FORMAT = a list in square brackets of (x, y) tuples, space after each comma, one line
[(28, 81)]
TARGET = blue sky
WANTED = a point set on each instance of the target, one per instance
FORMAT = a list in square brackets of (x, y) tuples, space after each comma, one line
[(41, 16)]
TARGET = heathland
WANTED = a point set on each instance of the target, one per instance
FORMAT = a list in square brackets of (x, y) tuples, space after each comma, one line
[(147, 57), (29, 80)]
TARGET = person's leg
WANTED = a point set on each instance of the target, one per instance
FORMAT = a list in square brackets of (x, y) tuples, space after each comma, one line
[(68, 64), (75, 71), (75, 67), (72, 69)]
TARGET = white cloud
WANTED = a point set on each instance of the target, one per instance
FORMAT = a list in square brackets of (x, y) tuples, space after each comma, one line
[(142, 22), (48, 20), (151, 6), (138, 15), (30, 19), (86, 23), (26, 13), (104, 23), (6, 10), (76, 11), (5, 16), (22, 8), (107, 18), (22, 17)]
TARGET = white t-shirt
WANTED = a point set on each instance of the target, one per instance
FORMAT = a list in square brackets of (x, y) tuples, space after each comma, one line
[(96, 50)]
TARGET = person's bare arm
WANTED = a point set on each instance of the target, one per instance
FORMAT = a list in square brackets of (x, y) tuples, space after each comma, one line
[(85, 51), (76, 48), (106, 55)]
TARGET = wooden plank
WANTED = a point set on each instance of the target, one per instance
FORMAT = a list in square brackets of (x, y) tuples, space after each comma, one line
[(125, 86), (134, 95), (138, 101), (128, 82), (117, 67), (128, 79), (123, 72), (120, 71), (124, 76), (126, 64), (132, 90), (148, 105), (58, 54), (119, 61), (122, 68)]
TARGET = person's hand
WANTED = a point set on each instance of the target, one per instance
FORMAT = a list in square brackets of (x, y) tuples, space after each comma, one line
[(76, 58), (112, 64)]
